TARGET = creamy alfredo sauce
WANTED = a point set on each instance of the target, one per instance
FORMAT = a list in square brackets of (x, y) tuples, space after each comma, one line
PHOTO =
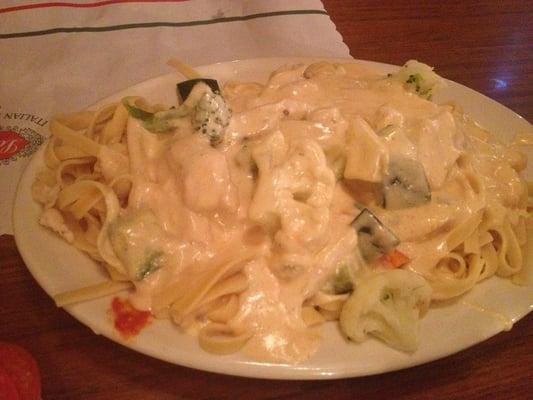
[(275, 187)]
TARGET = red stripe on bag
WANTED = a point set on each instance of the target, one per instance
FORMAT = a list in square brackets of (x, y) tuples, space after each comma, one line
[(80, 5)]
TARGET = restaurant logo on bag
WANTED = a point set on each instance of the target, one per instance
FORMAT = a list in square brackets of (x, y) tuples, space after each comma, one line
[(17, 142)]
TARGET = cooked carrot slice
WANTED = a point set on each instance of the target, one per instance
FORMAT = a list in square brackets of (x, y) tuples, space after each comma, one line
[(394, 259)]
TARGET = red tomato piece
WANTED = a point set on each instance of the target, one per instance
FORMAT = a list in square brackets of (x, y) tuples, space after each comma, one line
[(22, 369), (128, 320), (8, 390)]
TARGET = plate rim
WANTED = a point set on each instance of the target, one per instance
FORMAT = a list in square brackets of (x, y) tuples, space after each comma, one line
[(246, 367)]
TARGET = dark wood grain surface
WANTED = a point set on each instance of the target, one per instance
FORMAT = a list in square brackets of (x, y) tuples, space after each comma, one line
[(486, 45)]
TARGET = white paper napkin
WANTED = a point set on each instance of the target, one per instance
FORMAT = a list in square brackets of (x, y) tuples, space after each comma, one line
[(65, 56)]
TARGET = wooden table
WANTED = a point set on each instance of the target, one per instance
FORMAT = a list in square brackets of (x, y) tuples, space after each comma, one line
[(485, 45)]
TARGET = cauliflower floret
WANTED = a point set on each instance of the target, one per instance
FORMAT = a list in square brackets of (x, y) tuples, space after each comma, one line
[(388, 306)]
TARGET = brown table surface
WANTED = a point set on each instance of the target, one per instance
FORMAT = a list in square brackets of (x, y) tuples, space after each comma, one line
[(479, 44)]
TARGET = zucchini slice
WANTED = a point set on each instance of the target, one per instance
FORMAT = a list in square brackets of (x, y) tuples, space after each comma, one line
[(374, 238), (184, 88), (405, 184)]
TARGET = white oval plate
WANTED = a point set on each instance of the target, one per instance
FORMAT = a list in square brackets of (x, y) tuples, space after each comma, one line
[(445, 330)]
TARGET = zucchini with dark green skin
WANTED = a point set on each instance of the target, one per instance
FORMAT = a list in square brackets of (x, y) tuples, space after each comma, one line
[(184, 88), (374, 238), (341, 282), (405, 184), (133, 238), (151, 263), (153, 122)]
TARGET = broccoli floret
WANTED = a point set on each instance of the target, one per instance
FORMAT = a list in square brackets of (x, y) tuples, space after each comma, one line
[(417, 82), (212, 116), (209, 113), (420, 78)]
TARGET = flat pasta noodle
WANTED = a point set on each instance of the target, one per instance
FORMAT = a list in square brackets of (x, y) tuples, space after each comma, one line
[(122, 185), (468, 272), (68, 152), (223, 308), (509, 252), (86, 240), (71, 170), (90, 292), (311, 316), (529, 187), (114, 129), (74, 138), (328, 306), (233, 284), (221, 339), (186, 70), (463, 231), (100, 117), (182, 296), (50, 158), (77, 121), (490, 259), (79, 198), (189, 298), (334, 305), (471, 243), (522, 278)]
